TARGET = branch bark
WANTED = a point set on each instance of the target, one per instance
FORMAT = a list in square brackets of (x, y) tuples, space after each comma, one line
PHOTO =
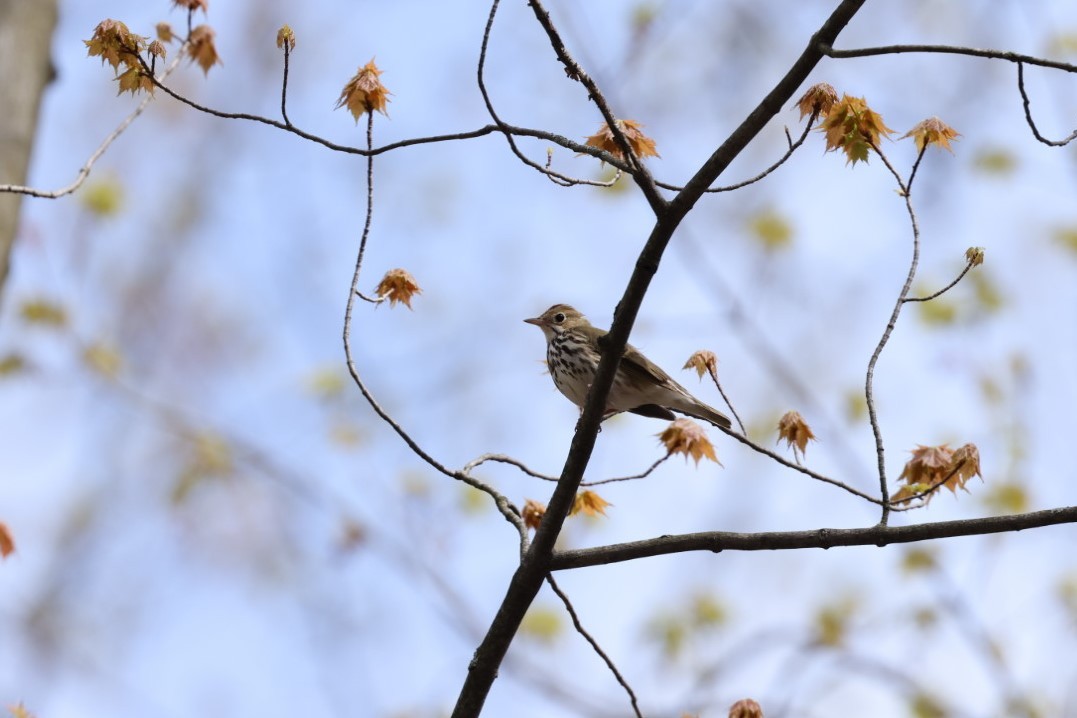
[(878, 535)]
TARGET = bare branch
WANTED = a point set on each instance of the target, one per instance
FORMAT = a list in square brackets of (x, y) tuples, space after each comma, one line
[(637, 169), (1017, 57), (869, 379), (510, 512), (84, 171), (802, 469), (287, 47), (945, 289), (594, 644), (1028, 113), (793, 147), (642, 475), (878, 535)]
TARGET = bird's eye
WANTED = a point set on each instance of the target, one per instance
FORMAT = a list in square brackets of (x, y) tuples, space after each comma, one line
[(558, 318)]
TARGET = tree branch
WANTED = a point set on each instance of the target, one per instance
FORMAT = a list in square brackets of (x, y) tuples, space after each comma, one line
[(878, 535), (830, 51), (533, 568)]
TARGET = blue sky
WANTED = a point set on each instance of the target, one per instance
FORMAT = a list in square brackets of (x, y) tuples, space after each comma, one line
[(222, 285)]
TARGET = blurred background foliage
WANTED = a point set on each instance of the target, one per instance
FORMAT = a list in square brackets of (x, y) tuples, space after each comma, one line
[(209, 518)]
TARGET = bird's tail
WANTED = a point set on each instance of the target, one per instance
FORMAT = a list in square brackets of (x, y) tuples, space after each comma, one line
[(699, 410)]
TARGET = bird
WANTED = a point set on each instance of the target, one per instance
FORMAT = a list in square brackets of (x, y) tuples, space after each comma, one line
[(640, 386)]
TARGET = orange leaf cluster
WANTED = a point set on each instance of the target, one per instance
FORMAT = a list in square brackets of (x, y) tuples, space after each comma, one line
[(202, 49), (7, 541), (795, 431), (745, 708), (974, 256), (932, 467), (589, 503), (20, 711), (932, 131), (285, 36), (117, 45), (684, 436), (703, 361), (398, 286), (202, 5), (364, 92), (641, 144), (819, 99), (854, 128), (532, 513)]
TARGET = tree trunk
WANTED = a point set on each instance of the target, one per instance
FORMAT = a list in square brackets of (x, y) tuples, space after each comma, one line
[(25, 68)]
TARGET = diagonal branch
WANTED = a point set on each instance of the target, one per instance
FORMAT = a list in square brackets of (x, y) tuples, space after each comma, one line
[(533, 568), (594, 644)]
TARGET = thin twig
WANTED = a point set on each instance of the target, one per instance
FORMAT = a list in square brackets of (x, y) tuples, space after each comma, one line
[(714, 377), (942, 291), (284, 85), (642, 475), (793, 147), (571, 182), (84, 171), (504, 506), (507, 130), (637, 168), (594, 644), (869, 379), (798, 467), (503, 459), (369, 206), (1028, 113), (830, 51)]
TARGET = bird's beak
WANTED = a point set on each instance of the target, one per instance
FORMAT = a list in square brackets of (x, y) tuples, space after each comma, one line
[(537, 321)]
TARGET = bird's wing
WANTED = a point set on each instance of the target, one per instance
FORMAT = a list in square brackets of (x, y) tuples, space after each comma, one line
[(636, 366)]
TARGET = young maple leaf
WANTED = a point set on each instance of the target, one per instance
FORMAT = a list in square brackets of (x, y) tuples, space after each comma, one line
[(974, 256), (927, 465), (398, 286), (642, 145), (133, 80), (745, 708), (932, 467), (964, 464), (853, 127), (115, 44), (164, 32), (703, 361), (532, 513), (819, 99), (157, 49), (364, 92), (7, 542), (589, 503), (202, 49), (932, 131), (795, 431), (285, 36), (684, 436)]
